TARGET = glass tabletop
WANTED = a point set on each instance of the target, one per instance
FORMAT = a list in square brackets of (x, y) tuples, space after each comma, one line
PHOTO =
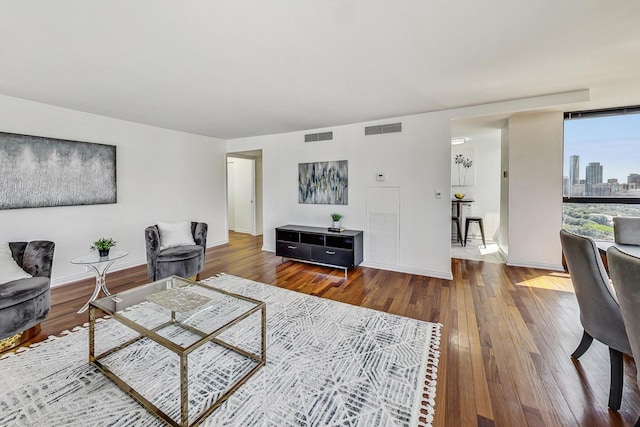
[(178, 313), (94, 257)]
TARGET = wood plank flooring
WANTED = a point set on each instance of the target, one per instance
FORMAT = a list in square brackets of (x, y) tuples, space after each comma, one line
[(507, 336)]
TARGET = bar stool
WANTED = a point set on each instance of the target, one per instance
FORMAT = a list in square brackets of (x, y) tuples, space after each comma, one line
[(456, 220), (468, 221)]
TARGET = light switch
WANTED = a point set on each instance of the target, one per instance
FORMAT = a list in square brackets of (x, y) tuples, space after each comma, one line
[(438, 194), (380, 176)]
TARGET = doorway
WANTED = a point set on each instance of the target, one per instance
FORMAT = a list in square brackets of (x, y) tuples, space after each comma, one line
[(244, 192), (476, 177)]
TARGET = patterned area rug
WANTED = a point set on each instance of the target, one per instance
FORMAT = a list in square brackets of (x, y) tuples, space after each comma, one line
[(328, 364)]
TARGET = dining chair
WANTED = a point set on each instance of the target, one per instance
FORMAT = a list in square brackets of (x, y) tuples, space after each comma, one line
[(625, 274), (626, 230), (599, 309)]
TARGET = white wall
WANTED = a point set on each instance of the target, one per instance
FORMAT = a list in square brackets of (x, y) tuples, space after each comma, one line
[(161, 175), (231, 194), (535, 189), (258, 195), (503, 235), (416, 160), (485, 190)]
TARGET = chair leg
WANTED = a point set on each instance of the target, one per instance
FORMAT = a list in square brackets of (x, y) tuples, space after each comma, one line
[(482, 233), (466, 231), (617, 379), (584, 345)]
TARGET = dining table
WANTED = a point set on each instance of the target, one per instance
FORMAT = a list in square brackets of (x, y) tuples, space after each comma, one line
[(603, 245), (458, 205)]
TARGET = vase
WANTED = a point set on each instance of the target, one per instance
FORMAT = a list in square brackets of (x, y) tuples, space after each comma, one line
[(335, 224), (103, 252)]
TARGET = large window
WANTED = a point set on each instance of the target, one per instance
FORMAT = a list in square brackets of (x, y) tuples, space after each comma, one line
[(601, 170)]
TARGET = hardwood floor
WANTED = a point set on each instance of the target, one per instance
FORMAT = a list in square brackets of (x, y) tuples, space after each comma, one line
[(507, 336)]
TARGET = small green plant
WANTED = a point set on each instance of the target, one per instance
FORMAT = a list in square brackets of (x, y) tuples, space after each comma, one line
[(336, 216), (103, 244)]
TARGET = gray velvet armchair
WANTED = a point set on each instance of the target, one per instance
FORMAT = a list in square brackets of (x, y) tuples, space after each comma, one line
[(599, 309), (24, 303), (183, 261)]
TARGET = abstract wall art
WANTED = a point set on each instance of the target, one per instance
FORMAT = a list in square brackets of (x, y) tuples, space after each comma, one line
[(323, 183), (41, 172), (462, 167)]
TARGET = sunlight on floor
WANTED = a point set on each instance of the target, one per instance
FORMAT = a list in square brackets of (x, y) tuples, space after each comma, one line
[(553, 281), (476, 251), (491, 248)]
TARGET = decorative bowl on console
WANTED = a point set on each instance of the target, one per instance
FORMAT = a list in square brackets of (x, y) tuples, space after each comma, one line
[(459, 196)]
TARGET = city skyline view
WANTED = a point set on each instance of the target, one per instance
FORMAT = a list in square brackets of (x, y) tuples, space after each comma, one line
[(596, 150), (612, 141)]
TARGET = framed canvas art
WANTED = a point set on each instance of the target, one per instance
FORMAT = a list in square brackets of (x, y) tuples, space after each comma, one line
[(323, 183), (43, 172)]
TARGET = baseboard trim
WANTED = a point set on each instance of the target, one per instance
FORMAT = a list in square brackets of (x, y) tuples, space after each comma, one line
[(397, 268), (59, 281), (538, 265), (409, 270)]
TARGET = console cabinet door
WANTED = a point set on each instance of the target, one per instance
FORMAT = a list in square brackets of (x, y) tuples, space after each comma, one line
[(293, 250), (332, 256)]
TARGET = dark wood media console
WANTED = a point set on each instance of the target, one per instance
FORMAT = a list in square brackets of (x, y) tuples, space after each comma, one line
[(317, 245)]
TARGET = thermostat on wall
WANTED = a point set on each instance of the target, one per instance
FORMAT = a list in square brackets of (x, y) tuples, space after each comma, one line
[(380, 176)]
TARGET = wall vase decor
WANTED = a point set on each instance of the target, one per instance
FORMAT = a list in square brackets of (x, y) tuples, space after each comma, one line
[(41, 172), (323, 183), (462, 167)]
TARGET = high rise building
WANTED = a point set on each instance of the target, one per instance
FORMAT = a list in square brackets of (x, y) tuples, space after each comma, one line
[(574, 173), (566, 186), (633, 180), (593, 176)]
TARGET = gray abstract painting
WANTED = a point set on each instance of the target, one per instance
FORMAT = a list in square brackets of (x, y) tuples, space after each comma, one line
[(41, 172), (323, 183)]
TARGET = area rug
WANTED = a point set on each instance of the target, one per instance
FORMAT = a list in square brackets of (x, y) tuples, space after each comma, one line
[(328, 364)]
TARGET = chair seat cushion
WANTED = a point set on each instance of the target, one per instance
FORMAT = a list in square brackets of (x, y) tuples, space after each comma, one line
[(180, 253), (17, 291)]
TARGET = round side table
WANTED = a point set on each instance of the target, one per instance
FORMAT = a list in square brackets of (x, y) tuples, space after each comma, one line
[(100, 265)]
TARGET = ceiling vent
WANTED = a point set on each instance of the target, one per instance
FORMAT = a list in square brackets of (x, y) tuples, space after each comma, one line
[(380, 129), (316, 137)]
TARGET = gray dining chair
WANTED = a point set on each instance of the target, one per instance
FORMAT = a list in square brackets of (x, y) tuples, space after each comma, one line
[(626, 230), (599, 309), (625, 274)]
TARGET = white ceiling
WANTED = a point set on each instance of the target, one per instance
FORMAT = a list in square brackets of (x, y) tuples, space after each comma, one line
[(239, 68)]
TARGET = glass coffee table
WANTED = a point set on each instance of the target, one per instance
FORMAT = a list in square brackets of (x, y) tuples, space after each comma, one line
[(177, 318)]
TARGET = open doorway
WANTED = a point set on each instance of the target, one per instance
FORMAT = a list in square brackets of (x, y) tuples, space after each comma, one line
[(476, 180), (244, 192)]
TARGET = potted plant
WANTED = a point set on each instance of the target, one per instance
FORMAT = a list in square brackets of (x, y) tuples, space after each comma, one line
[(103, 245), (336, 217)]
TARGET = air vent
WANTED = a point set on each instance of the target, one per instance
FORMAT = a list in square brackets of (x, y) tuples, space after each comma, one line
[(316, 137), (380, 129)]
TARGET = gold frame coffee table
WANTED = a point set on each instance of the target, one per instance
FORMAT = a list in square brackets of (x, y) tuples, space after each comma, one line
[(173, 303)]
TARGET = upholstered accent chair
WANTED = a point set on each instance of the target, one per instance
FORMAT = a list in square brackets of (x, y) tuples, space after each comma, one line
[(626, 230), (25, 302), (625, 274), (599, 309), (181, 259)]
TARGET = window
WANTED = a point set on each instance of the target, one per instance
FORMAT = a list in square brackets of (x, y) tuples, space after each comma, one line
[(601, 176)]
